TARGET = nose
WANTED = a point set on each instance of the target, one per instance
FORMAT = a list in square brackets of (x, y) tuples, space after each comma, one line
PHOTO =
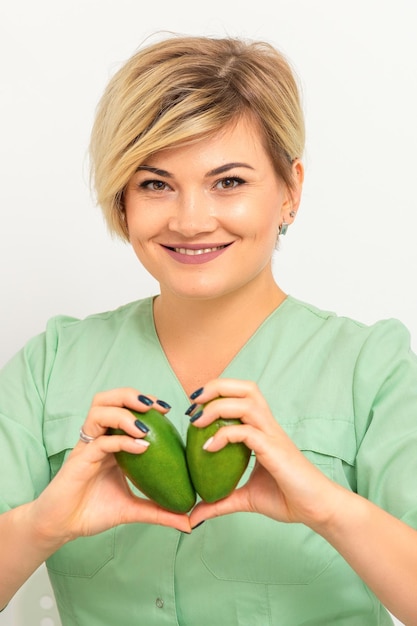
[(193, 214)]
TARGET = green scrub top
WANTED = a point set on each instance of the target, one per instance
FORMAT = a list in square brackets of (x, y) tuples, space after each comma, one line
[(346, 393)]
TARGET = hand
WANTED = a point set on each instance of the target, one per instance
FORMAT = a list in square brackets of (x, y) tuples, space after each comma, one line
[(90, 494), (284, 485)]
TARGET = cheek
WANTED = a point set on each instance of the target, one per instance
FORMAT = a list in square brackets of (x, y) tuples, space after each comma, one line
[(138, 219), (141, 224), (266, 225), (255, 217)]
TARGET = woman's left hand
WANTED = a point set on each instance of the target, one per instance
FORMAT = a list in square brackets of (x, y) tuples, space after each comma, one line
[(284, 485)]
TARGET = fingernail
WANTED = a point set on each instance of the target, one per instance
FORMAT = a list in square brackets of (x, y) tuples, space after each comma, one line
[(208, 442), (141, 426), (190, 409), (196, 416), (196, 393), (163, 404), (142, 442), (145, 400)]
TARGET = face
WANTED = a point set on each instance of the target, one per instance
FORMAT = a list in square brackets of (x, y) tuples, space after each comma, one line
[(203, 218)]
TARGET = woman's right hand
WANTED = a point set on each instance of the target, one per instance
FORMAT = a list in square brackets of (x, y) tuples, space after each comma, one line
[(90, 494)]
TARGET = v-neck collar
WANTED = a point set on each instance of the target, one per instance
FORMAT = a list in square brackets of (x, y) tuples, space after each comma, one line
[(228, 370)]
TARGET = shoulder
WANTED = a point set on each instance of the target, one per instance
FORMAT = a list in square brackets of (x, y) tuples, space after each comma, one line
[(103, 318), (98, 324), (372, 353), (346, 329), (71, 337), (69, 346), (342, 344)]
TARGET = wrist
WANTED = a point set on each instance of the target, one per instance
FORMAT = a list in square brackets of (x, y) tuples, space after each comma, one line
[(39, 528), (346, 510)]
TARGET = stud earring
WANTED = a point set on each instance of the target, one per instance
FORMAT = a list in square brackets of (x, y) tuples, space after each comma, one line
[(282, 230)]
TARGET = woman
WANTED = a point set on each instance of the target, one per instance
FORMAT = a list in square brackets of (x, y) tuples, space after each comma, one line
[(196, 157)]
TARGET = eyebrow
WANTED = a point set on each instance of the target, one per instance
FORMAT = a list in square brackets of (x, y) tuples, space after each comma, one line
[(154, 170), (226, 167), (214, 172)]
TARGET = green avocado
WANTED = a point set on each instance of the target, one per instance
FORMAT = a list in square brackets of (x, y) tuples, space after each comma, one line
[(161, 472), (215, 474)]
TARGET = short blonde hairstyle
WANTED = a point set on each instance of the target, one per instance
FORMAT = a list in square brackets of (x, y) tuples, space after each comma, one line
[(181, 89)]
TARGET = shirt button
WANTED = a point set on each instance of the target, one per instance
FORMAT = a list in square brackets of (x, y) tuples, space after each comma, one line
[(159, 603)]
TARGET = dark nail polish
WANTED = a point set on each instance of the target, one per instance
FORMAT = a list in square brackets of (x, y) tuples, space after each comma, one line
[(190, 409), (142, 427), (196, 393), (145, 400), (195, 417), (163, 404)]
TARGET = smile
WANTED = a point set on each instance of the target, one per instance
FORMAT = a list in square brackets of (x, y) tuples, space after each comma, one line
[(194, 255), (191, 252)]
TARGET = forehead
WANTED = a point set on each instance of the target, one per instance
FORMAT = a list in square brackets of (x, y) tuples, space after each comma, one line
[(239, 140)]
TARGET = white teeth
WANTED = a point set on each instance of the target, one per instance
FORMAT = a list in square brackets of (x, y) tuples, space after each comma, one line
[(195, 252)]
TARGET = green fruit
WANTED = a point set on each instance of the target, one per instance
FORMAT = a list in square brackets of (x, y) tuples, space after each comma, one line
[(161, 472), (215, 474)]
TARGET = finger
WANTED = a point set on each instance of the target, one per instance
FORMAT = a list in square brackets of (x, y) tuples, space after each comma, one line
[(249, 410), (130, 397), (234, 503), (225, 387), (148, 512), (100, 419), (251, 437), (124, 396), (109, 409), (102, 446)]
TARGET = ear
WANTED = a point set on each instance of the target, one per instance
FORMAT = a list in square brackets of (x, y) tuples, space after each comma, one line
[(292, 202)]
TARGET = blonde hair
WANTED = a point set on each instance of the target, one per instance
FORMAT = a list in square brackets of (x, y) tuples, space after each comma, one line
[(181, 89)]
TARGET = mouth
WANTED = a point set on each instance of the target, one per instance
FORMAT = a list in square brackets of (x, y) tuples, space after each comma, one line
[(196, 253)]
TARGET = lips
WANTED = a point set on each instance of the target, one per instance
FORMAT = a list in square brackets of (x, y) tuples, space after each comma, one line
[(194, 254)]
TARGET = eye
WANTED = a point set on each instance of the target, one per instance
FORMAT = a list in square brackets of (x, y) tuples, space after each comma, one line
[(153, 185), (230, 182)]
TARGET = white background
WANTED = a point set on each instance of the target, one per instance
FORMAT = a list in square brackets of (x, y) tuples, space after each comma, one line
[(352, 248)]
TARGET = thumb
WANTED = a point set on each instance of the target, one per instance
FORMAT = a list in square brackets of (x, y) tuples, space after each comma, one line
[(206, 510)]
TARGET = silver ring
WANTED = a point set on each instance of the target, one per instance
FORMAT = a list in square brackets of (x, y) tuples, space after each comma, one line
[(86, 438)]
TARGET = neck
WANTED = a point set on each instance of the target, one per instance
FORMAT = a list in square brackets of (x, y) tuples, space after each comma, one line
[(231, 315), (211, 332)]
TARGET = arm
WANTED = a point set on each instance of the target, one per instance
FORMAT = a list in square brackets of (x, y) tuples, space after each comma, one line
[(23, 550), (88, 493), (87, 496), (287, 487), (380, 548)]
